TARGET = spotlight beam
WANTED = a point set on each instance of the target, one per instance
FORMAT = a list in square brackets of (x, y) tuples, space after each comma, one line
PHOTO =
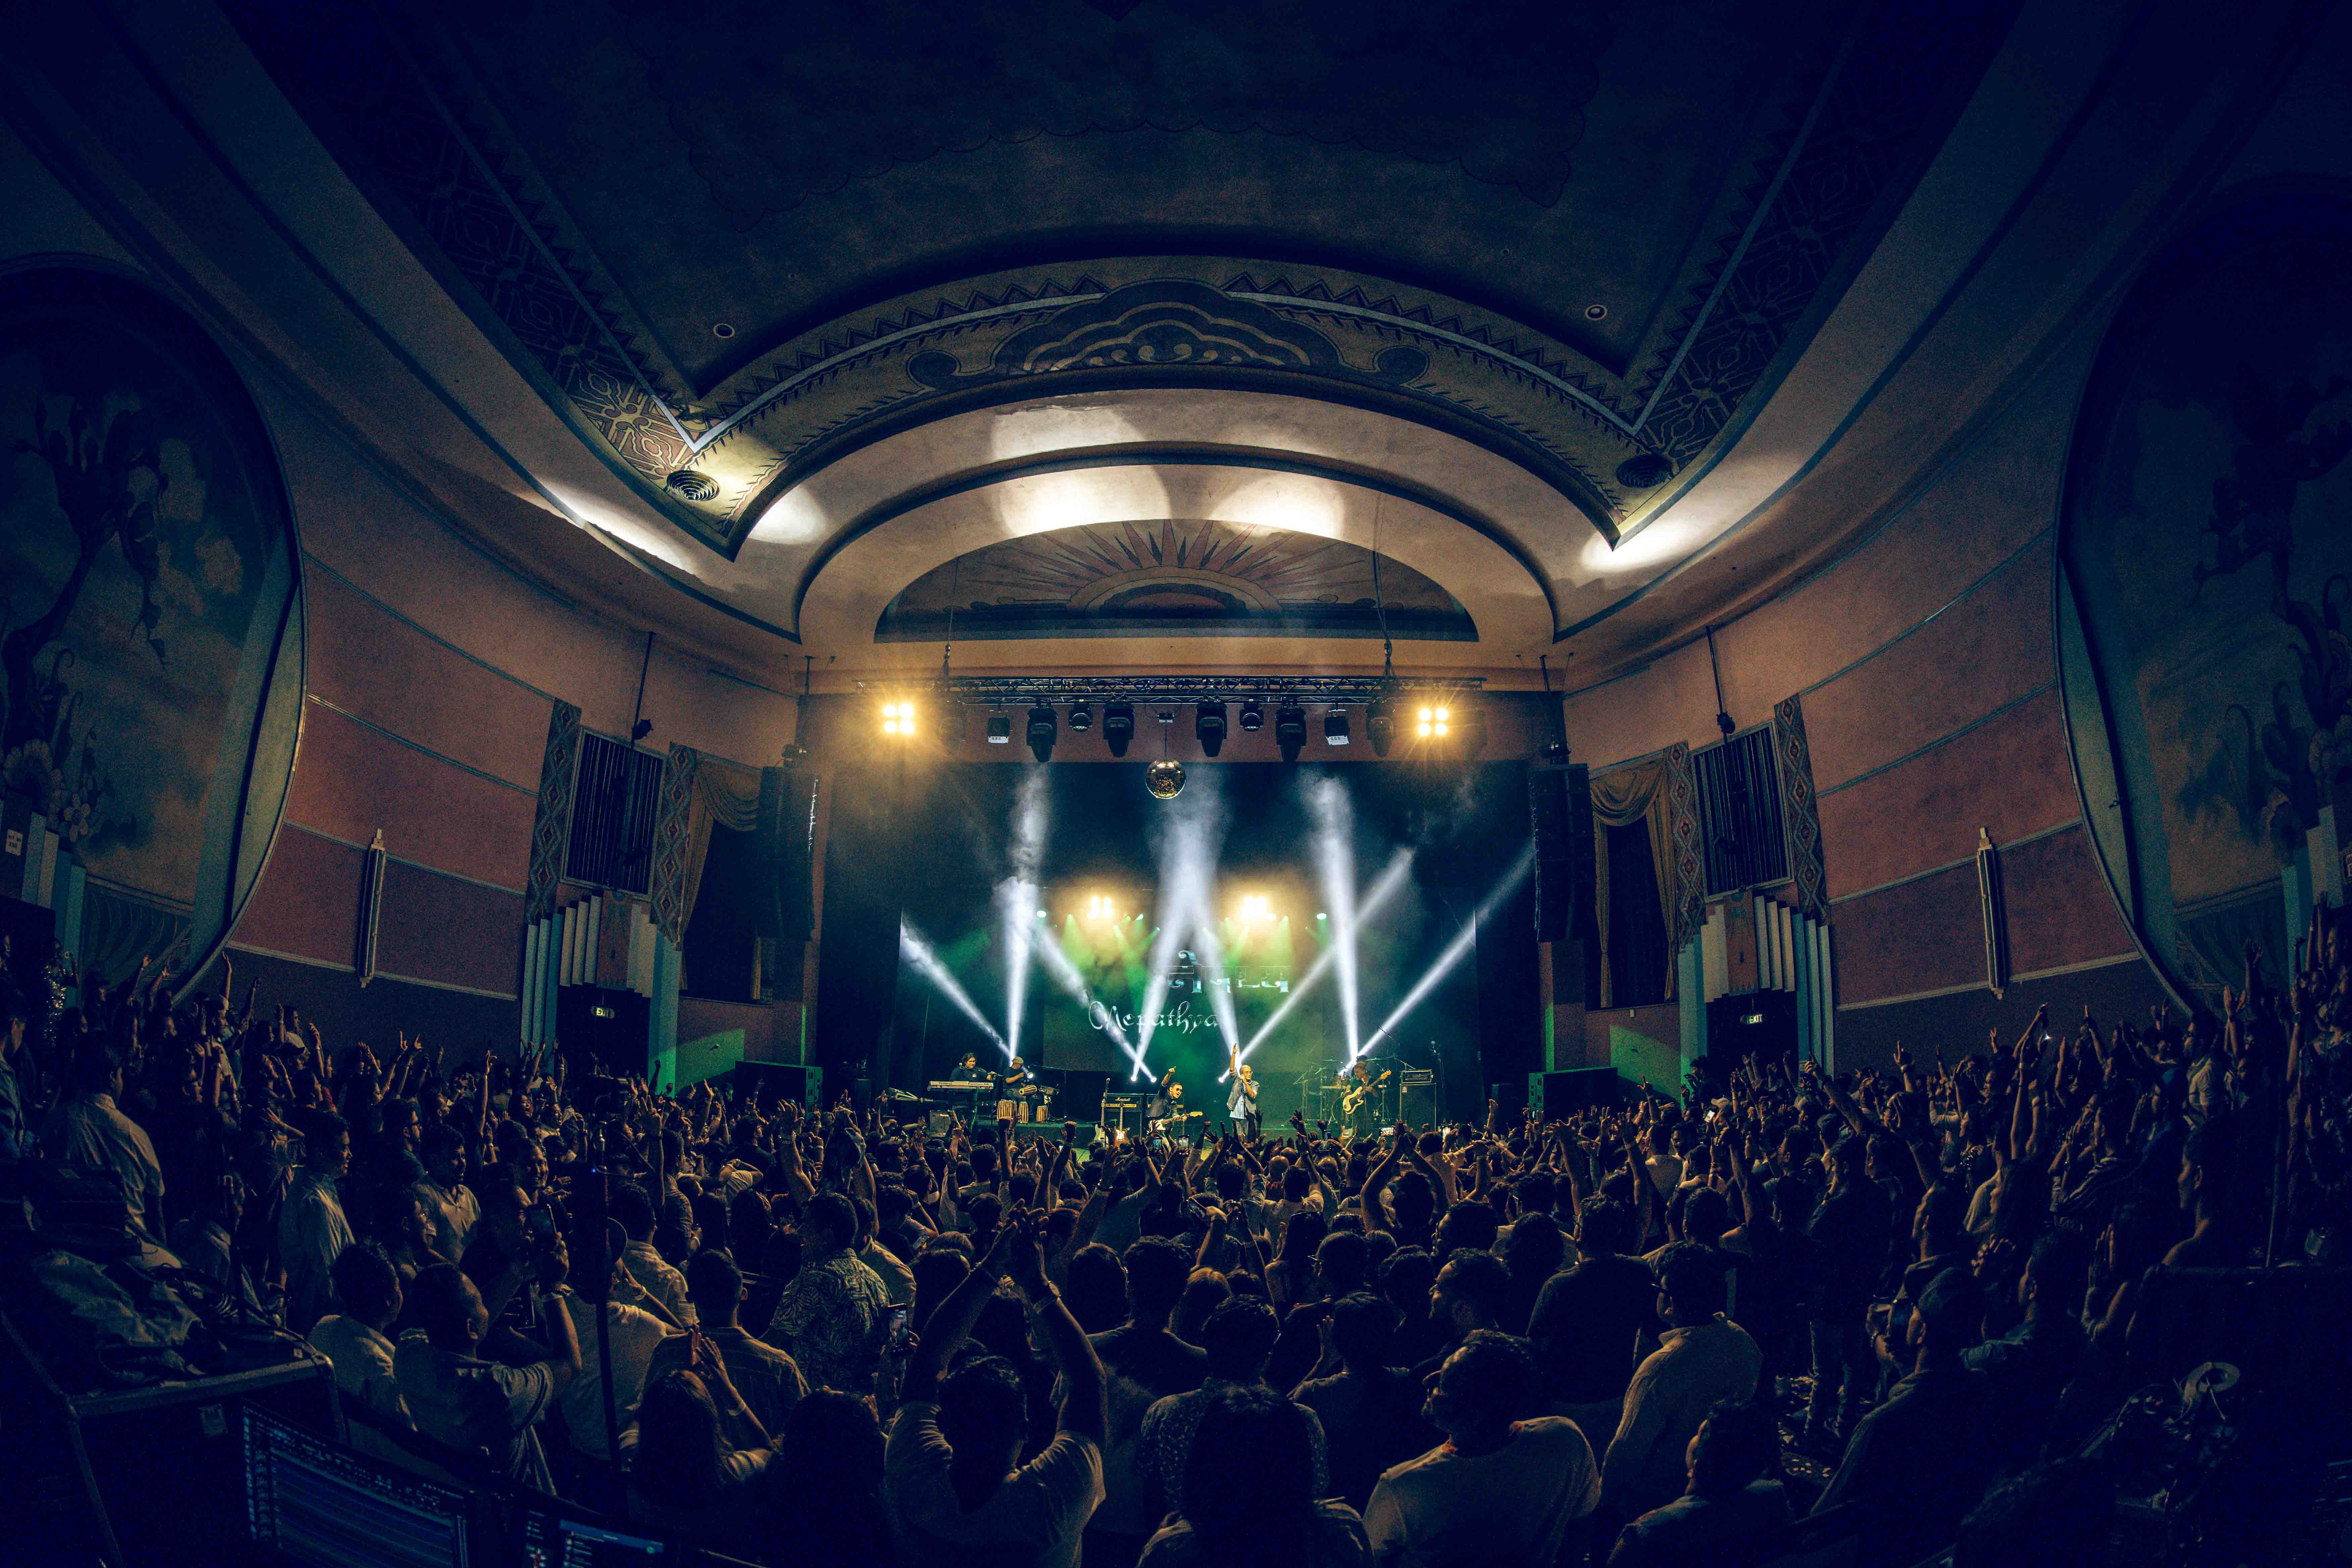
[(1383, 888), (1455, 951), (1335, 859), (1188, 860), (1066, 974), (1213, 969), (1016, 897), (926, 962)]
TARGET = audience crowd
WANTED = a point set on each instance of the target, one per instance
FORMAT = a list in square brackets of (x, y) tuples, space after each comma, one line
[(794, 1336)]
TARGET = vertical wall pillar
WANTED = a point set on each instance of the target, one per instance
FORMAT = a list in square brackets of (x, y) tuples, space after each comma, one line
[(661, 1018), (1690, 993)]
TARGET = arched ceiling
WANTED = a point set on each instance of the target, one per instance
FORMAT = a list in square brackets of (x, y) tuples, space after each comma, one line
[(824, 297)]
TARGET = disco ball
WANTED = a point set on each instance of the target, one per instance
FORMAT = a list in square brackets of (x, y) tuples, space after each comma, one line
[(1164, 778)]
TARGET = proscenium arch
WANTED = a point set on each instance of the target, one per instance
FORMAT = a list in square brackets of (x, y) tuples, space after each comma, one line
[(1151, 455), (1544, 466)]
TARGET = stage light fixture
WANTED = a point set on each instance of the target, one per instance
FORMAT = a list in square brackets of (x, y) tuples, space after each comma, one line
[(1379, 724), (899, 719), (1000, 729), (1433, 723), (1081, 717), (1255, 910), (1252, 715), (1335, 728), (1290, 730), (1118, 726), (1043, 728), (1208, 726)]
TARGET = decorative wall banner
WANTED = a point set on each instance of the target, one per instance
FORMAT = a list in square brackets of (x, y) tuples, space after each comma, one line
[(150, 596), (550, 825), (1801, 817), (1995, 907)]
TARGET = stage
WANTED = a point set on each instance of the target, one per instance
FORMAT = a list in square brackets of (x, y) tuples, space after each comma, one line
[(1298, 919)]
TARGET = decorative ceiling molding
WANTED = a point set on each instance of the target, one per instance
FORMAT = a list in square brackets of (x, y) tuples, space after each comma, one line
[(417, 133)]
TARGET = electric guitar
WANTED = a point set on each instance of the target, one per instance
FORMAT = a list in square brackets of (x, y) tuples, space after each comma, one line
[(1357, 1094)]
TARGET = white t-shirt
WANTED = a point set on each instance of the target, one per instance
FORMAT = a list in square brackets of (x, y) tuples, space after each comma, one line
[(633, 1334), (363, 1362), (1446, 1509), (471, 1404), (1036, 1518)]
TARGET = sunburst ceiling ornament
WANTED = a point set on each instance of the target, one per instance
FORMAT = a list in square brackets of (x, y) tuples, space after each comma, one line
[(1189, 576)]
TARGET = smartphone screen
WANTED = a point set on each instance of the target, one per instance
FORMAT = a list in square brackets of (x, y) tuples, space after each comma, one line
[(540, 1221)]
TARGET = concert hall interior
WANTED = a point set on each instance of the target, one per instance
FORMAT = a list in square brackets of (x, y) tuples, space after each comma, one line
[(1634, 721)]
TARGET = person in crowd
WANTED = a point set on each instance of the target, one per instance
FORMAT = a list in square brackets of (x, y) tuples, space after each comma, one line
[(1588, 1320), (357, 1340), (1849, 1239), (16, 1129), (1250, 1487), (1916, 1464), (958, 1488), (2027, 1369), (768, 1380), (1239, 1340), (1702, 1360), (820, 1496), (632, 1208), (1732, 1502), (85, 1131), (628, 1341), (1369, 1410), (1467, 1297), (478, 1407), (697, 1457), (832, 1318), (311, 1230), (1142, 1364), (1506, 1485), (455, 1210)]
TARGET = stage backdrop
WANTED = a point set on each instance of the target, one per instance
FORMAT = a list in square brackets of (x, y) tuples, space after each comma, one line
[(152, 644), (1073, 856), (2207, 555)]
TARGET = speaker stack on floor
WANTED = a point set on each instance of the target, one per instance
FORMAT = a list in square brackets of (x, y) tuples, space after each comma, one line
[(778, 1083), (1559, 815), (1557, 1096)]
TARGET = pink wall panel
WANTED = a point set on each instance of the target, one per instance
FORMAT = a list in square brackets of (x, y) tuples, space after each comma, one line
[(351, 780), (2060, 911), (459, 933), (1921, 936), (1961, 525), (309, 900), (1991, 647), (2010, 775), (366, 662)]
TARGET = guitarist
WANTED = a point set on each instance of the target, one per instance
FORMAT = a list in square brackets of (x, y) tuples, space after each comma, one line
[(1362, 1087)]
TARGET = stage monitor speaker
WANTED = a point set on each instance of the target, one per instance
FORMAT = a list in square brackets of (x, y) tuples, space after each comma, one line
[(1559, 814), (776, 1083), (787, 840), (1079, 1095), (603, 1028), (1557, 1096)]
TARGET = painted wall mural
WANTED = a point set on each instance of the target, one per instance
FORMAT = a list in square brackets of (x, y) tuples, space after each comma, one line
[(147, 585), (1196, 578), (2208, 539)]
